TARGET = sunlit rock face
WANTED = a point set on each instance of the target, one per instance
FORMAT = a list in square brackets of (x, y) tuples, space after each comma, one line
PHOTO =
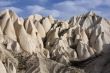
[(40, 44)]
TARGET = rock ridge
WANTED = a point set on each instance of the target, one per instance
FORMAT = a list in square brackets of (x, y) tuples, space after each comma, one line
[(40, 44)]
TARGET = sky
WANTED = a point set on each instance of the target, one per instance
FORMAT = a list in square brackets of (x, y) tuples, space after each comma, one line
[(60, 9)]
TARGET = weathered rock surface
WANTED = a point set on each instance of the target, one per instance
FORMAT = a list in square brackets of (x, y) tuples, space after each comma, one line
[(46, 45)]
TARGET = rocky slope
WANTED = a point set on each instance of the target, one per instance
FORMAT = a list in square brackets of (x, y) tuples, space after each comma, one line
[(40, 44)]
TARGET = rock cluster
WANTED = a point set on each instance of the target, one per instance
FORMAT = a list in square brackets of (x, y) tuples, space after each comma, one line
[(40, 44)]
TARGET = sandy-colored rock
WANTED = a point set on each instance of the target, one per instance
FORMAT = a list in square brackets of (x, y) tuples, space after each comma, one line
[(46, 24), (40, 29), (51, 19), (40, 44), (9, 30), (2, 68), (4, 18)]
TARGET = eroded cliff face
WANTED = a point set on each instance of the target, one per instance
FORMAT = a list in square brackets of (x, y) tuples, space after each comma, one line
[(40, 44)]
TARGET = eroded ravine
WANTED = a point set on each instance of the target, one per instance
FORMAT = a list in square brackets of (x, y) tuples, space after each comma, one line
[(40, 44)]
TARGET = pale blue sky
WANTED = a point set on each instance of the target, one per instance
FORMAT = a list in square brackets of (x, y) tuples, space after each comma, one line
[(61, 9)]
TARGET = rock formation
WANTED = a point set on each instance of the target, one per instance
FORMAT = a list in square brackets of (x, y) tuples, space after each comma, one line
[(40, 44)]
